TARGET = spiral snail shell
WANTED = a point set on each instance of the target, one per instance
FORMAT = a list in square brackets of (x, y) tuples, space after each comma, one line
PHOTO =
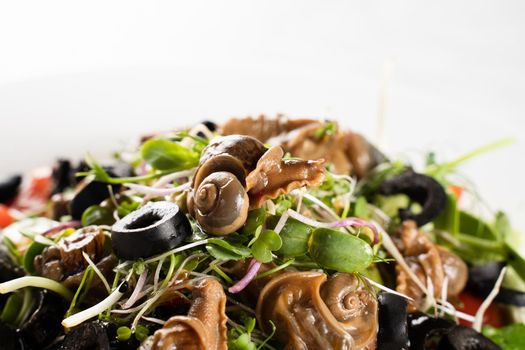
[(354, 307), (219, 200)]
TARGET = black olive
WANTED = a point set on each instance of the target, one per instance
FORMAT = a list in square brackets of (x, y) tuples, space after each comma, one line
[(392, 318), (465, 338), (422, 328), (87, 194), (9, 339), (152, 229), (87, 336), (90, 192), (481, 280), (61, 176), (8, 268), (210, 125), (421, 189), (44, 324), (9, 188)]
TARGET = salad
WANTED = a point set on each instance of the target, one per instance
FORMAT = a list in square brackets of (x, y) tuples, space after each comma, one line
[(259, 233)]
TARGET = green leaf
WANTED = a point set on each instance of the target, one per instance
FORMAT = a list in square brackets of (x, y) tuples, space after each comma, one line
[(327, 129), (256, 218), (267, 242), (123, 333), (256, 235), (282, 205), (340, 251), (361, 208), (12, 249), (294, 235), (126, 205), (502, 226), (440, 170), (97, 215), (243, 342), (473, 226), (390, 205), (516, 260), (139, 266), (141, 333), (249, 323), (34, 249), (509, 337), (11, 308), (448, 220), (222, 250), (167, 155)]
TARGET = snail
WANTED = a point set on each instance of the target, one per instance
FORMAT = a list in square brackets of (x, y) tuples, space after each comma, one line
[(353, 306), (292, 301), (219, 199), (203, 328), (237, 173)]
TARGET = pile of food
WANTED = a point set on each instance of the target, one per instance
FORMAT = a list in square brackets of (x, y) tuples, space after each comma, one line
[(260, 233)]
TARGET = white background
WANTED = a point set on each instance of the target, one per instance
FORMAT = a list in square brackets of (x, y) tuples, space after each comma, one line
[(78, 76)]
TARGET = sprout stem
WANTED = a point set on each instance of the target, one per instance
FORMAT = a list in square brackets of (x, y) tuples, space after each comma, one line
[(38, 282), (93, 311)]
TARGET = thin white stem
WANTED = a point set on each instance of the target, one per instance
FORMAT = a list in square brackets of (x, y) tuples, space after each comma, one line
[(322, 205), (444, 292), (154, 320), (157, 274), (281, 222), (97, 271), (386, 289), (391, 248), (93, 311), (478, 321)]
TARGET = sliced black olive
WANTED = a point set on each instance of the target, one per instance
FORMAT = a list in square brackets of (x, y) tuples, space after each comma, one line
[(392, 317), (210, 125), (87, 336), (481, 280), (9, 188), (44, 324), (465, 338), (90, 192), (152, 229), (422, 328), (421, 189)]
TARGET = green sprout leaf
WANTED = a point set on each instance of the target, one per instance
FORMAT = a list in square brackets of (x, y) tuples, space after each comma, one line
[(11, 308), (263, 247), (294, 235), (340, 251), (509, 337), (34, 249), (223, 250), (141, 333), (243, 342), (123, 333), (167, 155), (97, 215), (256, 218)]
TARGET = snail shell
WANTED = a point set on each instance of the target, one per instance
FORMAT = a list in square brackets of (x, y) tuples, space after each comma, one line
[(221, 203), (353, 306), (219, 200)]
